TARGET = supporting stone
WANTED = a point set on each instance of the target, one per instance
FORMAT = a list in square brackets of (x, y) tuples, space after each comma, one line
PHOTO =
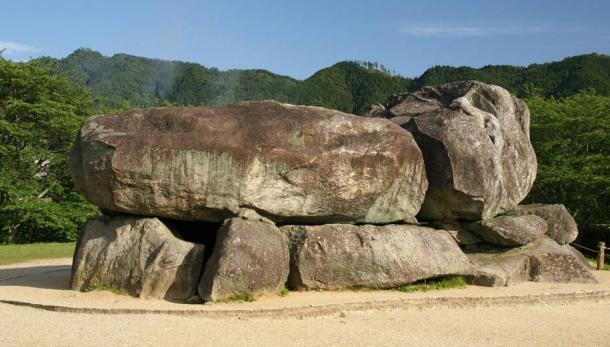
[(250, 258), (541, 261), (340, 256), (509, 230), (136, 255)]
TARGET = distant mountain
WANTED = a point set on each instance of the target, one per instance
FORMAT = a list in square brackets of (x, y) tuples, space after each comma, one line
[(122, 81), (557, 79), (144, 82)]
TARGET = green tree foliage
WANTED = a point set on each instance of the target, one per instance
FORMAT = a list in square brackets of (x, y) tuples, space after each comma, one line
[(142, 82), (557, 79), (40, 114), (347, 86), (350, 86), (571, 137)]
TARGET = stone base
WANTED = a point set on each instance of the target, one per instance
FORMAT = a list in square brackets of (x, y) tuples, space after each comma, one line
[(139, 256), (541, 261)]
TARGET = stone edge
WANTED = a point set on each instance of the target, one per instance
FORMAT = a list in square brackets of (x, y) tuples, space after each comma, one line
[(330, 309)]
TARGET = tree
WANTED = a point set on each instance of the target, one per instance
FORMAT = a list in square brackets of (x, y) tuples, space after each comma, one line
[(571, 137), (40, 115)]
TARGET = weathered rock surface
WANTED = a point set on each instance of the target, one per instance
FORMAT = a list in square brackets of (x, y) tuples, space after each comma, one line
[(338, 255), (289, 163), (136, 255), (509, 230), (561, 225), (250, 257), (459, 233), (551, 262), (475, 141), (498, 270), (541, 261)]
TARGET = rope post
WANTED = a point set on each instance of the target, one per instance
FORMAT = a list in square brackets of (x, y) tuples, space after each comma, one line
[(600, 256)]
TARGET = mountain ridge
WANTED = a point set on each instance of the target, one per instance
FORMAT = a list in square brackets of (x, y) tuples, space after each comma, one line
[(127, 81)]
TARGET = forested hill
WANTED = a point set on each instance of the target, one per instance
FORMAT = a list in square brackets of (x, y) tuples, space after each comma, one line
[(125, 81), (557, 79)]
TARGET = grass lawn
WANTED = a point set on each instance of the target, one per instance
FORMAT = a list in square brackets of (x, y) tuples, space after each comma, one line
[(20, 253)]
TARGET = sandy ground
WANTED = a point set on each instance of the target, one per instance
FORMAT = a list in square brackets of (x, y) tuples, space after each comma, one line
[(582, 323)]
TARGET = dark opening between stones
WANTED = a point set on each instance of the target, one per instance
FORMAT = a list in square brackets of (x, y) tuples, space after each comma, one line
[(196, 232)]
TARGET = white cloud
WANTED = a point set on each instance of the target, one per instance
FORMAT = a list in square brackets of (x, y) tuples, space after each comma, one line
[(468, 30), (14, 47)]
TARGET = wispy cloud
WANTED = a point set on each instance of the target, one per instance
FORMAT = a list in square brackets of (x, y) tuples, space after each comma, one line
[(474, 30), (15, 47), (16, 51)]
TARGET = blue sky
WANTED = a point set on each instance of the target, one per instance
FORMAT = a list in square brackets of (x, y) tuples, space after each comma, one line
[(297, 38)]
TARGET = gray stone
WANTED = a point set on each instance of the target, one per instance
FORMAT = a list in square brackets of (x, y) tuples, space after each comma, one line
[(336, 256), (250, 257), (498, 269), (541, 261), (475, 141), (137, 255), (289, 163), (462, 236), (551, 262), (509, 230), (246, 213), (561, 225), (377, 110)]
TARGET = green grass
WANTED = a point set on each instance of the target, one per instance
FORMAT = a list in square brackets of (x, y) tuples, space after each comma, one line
[(239, 297), (105, 287), (10, 254), (284, 291), (433, 284), (593, 262)]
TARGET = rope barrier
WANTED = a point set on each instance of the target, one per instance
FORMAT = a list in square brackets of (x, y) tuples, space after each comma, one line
[(583, 247), (590, 250)]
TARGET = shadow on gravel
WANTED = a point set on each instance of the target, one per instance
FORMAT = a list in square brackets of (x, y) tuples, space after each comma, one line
[(46, 277)]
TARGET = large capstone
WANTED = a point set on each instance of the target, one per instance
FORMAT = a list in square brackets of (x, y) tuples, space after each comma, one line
[(475, 141), (541, 261), (250, 258), (339, 256), (289, 163), (561, 225), (137, 255)]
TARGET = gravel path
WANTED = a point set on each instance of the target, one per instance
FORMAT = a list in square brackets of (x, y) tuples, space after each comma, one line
[(584, 324), (581, 323)]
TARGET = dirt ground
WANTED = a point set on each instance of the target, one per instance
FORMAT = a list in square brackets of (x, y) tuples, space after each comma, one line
[(581, 323)]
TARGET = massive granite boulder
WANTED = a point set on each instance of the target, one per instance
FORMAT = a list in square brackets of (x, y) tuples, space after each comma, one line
[(250, 257), (289, 163), (541, 261), (337, 256), (509, 230), (475, 141), (561, 225), (137, 255)]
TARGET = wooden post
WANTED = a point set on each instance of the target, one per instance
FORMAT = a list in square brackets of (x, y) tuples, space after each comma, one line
[(600, 257)]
